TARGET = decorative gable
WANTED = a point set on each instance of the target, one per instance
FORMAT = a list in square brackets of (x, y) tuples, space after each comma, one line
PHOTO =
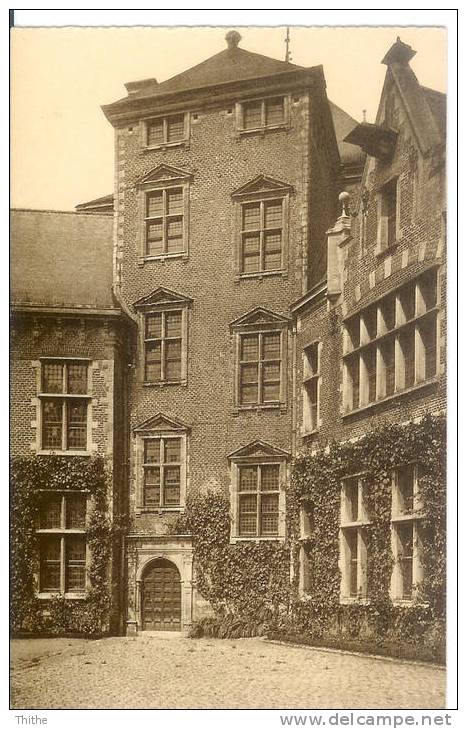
[(164, 174), (260, 317), (262, 185), (161, 423), (161, 297), (258, 449)]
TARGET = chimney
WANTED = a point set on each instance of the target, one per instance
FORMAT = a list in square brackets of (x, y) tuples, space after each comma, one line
[(338, 236), (145, 84)]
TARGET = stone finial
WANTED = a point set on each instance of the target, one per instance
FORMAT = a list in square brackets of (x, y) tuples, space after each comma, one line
[(233, 38), (344, 200)]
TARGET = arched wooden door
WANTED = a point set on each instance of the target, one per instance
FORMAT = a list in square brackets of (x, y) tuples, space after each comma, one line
[(161, 602)]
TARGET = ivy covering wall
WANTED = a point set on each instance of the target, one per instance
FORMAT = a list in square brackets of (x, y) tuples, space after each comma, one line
[(28, 477), (249, 586)]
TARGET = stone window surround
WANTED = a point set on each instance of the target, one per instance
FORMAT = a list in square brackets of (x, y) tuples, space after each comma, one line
[(280, 326), (305, 379), (419, 316), (245, 196), (345, 526), (145, 189), (40, 396), (144, 123), (286, 124), (273, 457), (62, 532)]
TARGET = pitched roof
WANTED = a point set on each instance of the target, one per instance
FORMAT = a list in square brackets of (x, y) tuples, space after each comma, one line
[(98, 205), (343, 125), (231, 64), (61, 259), (437, 103)]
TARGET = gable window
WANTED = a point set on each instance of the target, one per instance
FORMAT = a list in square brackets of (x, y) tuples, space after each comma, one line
[(258, 496), (406, 533), (262, 231), (64, 402), (161, 461), (261, 114), (388, 215), (62, 543), (166, 130), (353, 541), (311, 387), (164, 222), (391, 346)]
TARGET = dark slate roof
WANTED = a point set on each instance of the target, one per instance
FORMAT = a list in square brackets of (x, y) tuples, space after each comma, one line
[(61, 259), (343, 125), (437, 103), (231, 64), (98, 205)]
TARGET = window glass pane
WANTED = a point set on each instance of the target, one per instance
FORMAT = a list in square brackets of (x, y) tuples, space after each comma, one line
[(173, 350), (250, 348), (311, 406), (152, 484), (250, 258), (251, 216), (248, 478), (51, 512), (407, 299), (270, 477), (351, 493), (369, 359), (273, 214), (174, 228), (249, 374), (50, 563), (370, 322), (153, 326), (405, 485), (353, 331), (52, 414), (154, 239), (389, 206), (405, 534), (173, 324), (175, 201), (77, 413), (272, 251), (75, 511), (271, 372), (152, 450), (352, 541), (271, 346), (353, 372), (311, 360), (271, 391), (155, 206), (75, 556), (269, 514), (52, 377), (428, 334), (153, 361), (175, 128), (249, 384), (155, 132), (247, 515), (172, 450), (407, 343), (248, 394), (252, 115), (171, 485), (77, 379), (387, 351), (388, 310), (274, 111), (428, 284)]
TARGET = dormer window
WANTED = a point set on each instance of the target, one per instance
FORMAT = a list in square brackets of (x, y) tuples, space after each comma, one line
[(261, 114), (166, 130)]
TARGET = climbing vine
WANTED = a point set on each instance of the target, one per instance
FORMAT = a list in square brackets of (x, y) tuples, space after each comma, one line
[(29, 476)]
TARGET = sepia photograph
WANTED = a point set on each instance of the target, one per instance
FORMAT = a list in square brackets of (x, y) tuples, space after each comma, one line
[(228, 370)]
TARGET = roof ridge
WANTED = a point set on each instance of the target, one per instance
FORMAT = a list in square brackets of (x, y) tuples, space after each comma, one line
[(57, 212)]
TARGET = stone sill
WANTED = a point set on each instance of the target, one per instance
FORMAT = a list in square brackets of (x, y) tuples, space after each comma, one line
[(165, 145), (182, 255), (384, 400), (63, 453), (264, 130), (66, 595), (256, 540), (164, 383), (260, 275)]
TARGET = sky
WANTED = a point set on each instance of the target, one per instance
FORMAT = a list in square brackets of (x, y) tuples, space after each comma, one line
[(62, 146)]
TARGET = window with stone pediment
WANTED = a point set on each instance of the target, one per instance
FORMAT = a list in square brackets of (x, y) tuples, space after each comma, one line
[(260, 341), (258, 476)]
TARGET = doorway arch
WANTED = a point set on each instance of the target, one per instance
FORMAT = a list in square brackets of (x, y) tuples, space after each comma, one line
[(161, 596)]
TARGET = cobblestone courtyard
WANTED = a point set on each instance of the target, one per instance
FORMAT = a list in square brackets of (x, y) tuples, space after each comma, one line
[(165, 672)]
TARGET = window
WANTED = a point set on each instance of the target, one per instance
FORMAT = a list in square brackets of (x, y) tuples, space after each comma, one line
[(166, 130), (263, 114), (258, 492), (260, 368), (162, 472), (353, 542), (391, 346), (406, 532), (62, 543), (64, 403), (163, 346), (164, 222), (311, 387), (388, 215), (262, 230)]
